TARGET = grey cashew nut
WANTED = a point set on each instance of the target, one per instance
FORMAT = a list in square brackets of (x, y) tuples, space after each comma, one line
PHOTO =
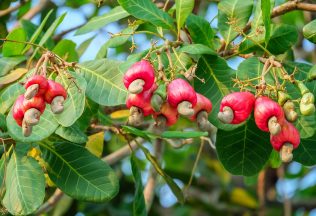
[(274, 126), (185, 108), (32, 116), (31, 91), (136, 86), (205, 125), (226, 116), (136, 116), (57, 105), (286, 152), (26, 129)]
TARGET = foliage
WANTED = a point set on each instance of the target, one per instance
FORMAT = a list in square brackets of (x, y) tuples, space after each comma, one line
[(72, 151)]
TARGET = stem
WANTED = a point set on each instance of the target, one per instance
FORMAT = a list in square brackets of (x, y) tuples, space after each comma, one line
[(23, 42), (194, 166)]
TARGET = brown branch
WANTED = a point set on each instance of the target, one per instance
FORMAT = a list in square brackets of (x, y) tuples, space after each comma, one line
[(50, 203), (33, 11), (63, 33), (13, 8), (278, 11), (149, 190)]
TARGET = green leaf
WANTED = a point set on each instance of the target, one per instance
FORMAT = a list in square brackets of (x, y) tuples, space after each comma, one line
[(14, 48), (66, 49), (282, 39), (44, 129), (306, 125), (37, 32), (116, 41), (183, 10), (243, 151), (139, 206), (309, 31), (75, 102), (72, 134), (137, 132), (200, 30), (84, 46), (98, 22), (8, 63), (9, 95), (50, 31), (90, 111), (25, 185), (79, 173), (305, 153), (95, 143), (217, 76), (3, 125), (233, 15), (3, 164), (257, 21), (105, 85), (266, 10), (197, 49), (147, 10), (182, 134)]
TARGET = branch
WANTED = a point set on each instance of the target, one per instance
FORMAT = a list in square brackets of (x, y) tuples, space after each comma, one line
[(278, 11), (61, 34), (13, 8), (33, 11), (149, 190)]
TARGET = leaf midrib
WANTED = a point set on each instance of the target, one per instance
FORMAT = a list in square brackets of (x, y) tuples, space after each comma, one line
[(66, 162)]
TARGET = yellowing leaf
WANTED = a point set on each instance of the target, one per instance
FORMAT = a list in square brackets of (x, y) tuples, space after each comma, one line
[(241, 197), (95, 144), (120, 114), (13, 76)]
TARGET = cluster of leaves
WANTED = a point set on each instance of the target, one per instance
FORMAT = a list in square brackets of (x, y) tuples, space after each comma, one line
[(71, 157)]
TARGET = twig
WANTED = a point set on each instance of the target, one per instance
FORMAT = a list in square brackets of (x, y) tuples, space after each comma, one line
[(61, 34), (149, 190), (33, 11), (13, 8), (50, 203)]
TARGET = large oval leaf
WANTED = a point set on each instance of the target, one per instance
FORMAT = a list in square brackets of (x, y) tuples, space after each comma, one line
[(11, 48), (309, 31), (78, 173), (74, 105), (25, 185), (9, 95), (44, 129), (72, 134), (305, 153), (245, 150), (217, 76), (98, 22), (233, 15), (183, 10), (147, 10), (105, 82)]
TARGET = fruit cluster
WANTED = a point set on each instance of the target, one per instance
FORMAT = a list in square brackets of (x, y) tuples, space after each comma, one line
[(269, 116), (29, 107), (164, 101)]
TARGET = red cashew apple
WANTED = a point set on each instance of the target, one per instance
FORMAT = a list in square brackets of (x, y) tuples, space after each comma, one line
[(139, 105), (236, 107), (180, 94), (287, 140), (169, 113), (18, 110), (35, 86), (33, 110), (269, 115), (55, 96), (139, 77), (201, 111), (203, 105)]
